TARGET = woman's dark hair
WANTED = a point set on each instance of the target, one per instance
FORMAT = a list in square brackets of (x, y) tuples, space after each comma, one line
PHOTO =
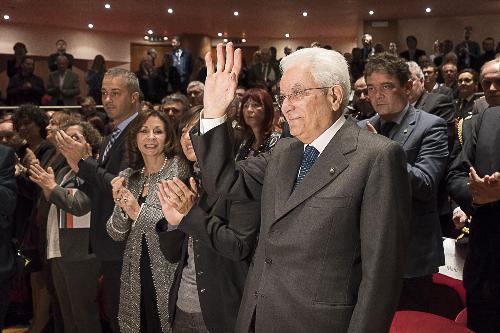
[(133, 155), (262, 97), (91, 135), (32, 113), (99, 64), (189, 116)]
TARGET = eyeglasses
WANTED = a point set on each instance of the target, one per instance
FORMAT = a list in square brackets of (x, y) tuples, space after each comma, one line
[(295, 96)]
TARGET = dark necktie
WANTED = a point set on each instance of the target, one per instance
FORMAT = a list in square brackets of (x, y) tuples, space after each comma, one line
[(112, 139), (385, 129), (310, 156)]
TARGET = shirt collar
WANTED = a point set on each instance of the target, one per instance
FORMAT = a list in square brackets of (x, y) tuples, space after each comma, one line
[(324, 139), (121, 126)]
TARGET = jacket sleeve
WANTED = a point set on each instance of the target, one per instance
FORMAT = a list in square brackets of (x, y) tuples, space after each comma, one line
[(95, 176), (383, 227), (221, 175), (7, 181), (74, 88), (430, 164), (233, 236), (77, 204)]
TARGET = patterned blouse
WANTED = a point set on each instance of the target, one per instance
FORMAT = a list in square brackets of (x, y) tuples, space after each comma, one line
[(246, 150), (121, 228)]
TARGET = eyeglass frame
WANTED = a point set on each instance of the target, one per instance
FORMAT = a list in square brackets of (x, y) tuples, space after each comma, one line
[(280, 99)]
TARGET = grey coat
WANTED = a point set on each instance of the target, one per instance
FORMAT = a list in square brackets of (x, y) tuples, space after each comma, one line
[(331, 252)]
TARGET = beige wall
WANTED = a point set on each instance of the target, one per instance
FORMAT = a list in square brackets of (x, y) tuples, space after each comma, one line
[(427, 30)]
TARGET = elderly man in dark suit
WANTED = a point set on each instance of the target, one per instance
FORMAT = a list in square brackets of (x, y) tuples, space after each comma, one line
[(120, 96), (478, 148), (423, 137), (330, 256), (8, 203)]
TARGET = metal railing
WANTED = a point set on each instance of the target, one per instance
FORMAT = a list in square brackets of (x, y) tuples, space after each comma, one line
[(51, 107)]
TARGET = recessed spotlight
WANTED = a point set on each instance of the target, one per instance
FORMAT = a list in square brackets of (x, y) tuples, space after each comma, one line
[(236, 13), (428, 10), (304, 14), (170, 11), (165, 38), (6, 17), (371, 12), (150, 32), (90, 25), (219, 34), (225, 40), (287, 35), (146, 37), (107, 6), (243, 40)]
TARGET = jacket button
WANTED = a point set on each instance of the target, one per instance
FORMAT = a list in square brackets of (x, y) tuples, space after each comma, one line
[(203, 290), (256, 294), (268, 261)]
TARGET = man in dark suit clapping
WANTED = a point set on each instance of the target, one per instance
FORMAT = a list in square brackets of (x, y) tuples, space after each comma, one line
[(120, 96), (330, 257)]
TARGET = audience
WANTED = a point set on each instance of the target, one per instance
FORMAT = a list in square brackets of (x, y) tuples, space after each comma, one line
[(174, 270)]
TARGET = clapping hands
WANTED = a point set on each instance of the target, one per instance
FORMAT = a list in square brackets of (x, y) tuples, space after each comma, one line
[(124, 198), (484, 190), (176, 199)]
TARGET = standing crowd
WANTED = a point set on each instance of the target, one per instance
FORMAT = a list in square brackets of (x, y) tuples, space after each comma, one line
[(305, 194)]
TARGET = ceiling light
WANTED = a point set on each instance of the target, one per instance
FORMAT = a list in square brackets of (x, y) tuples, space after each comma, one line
[(304, 13), (165, 38), (6, 17), (225, 40), (428, 10), (150, 32), (287, 35), (107, 6), (219, 34), (371, 12), (170, 11), (243, 40), (236, 13), (146, 37), (90, 25)]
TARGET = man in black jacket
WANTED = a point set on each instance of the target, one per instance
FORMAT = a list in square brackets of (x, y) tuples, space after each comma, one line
[(120, 96), (8, 203), (25, 87)]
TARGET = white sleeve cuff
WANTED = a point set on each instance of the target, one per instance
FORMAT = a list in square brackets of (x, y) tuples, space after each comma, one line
[(209, 124)]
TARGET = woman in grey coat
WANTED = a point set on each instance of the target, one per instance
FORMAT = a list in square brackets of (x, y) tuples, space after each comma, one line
[(146, 275)]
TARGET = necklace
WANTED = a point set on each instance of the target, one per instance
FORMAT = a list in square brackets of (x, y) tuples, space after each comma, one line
[(145, 179)]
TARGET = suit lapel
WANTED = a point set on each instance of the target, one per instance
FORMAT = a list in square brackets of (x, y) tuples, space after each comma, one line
[(289, 164), (115, 145), (406, 127), (329, 165)]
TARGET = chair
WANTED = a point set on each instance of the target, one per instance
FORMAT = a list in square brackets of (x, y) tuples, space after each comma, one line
[(422, 322), (462, 318), (447, 296)]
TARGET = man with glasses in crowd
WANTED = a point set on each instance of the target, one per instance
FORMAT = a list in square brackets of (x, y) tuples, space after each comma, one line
[(335, 202)]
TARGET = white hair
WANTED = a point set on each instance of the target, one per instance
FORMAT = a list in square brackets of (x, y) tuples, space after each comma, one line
[(414, 67), (327, 67), (196, 83)]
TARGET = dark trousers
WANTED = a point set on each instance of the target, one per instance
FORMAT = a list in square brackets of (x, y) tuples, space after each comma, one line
[(4, 299), (76, 285), (188, 322), (111, 272), (416, 294), (483, 311)]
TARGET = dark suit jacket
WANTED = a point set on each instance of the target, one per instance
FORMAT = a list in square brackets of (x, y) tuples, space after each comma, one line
[(17, 94), (70, 89), (7, 206), (184, 67), (256, 75), (443, 90), (331, 252), (224, 237), (423, 137), (464, 109), (406, 54), (482, 268), (97, 176)]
